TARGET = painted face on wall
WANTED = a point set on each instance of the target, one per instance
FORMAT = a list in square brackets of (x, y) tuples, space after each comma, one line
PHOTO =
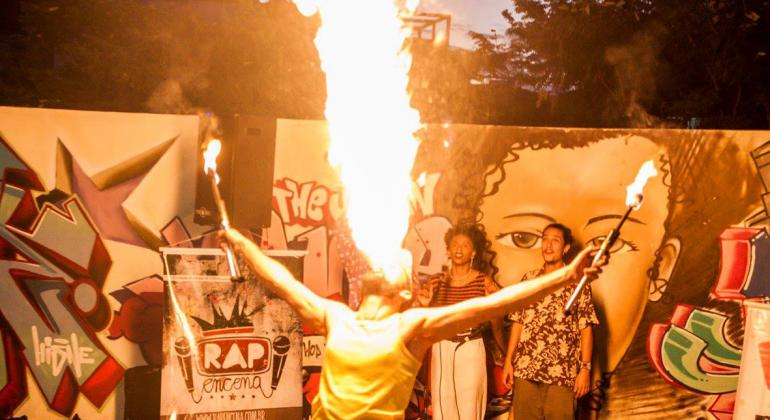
[(584, 189)]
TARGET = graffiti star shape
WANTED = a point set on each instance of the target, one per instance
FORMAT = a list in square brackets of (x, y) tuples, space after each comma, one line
[(104, 193)]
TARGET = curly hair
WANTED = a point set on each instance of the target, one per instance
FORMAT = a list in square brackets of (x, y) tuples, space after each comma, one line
[(702, 202)]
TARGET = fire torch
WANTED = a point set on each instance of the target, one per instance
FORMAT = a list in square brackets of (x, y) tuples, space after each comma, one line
[(634, 198), (213, 147)]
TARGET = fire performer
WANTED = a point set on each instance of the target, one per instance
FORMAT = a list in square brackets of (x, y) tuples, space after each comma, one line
[(373, 354)]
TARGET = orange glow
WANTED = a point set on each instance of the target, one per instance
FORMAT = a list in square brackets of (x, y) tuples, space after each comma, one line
[(371, 124), (634, 191), (213, 148)]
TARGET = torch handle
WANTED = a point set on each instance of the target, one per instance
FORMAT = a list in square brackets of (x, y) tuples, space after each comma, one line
[(232, 263), (605, 247)]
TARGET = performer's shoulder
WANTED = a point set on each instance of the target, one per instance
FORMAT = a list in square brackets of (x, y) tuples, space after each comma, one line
[(336, 309)]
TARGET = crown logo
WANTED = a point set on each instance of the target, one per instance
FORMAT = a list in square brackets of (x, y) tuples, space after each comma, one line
[(239, 317)]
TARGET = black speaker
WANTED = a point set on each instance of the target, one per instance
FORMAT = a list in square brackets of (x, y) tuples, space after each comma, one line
[(245, 168), (142, 393)]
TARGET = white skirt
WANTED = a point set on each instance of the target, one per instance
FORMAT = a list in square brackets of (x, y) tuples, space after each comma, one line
[(458, 380)]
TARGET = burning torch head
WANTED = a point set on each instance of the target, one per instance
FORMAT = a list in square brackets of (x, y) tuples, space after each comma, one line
[(634, 192), (213, 148)]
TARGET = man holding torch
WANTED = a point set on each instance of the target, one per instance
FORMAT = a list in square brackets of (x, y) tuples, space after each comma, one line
[(373, 354), (552, 349)]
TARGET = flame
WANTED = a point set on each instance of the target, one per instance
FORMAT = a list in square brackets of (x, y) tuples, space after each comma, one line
[(213, 147), (371, 124), (634, 194)]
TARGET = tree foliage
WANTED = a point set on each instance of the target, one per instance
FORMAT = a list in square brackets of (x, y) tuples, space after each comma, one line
[(163, 56), (561, 62), (640, 62)]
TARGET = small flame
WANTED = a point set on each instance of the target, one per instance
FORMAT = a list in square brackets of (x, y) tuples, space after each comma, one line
[(213, 147), (634, 194), (371, 124)]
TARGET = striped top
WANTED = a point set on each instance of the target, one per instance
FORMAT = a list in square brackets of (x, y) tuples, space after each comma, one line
[(444, 294)]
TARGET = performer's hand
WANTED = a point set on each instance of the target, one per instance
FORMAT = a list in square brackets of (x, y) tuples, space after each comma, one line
[(581, 265), (582, 383), (233, 238), (508, 374), (581, 262)]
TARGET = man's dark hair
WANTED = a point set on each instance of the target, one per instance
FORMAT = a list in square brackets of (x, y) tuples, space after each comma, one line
[(566, 232)]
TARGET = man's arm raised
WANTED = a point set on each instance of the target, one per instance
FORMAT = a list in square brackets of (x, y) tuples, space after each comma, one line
[(310, 307), (435, 324)]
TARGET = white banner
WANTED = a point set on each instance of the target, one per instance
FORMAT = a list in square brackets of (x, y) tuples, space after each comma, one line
[(753, 395), (231, 350)]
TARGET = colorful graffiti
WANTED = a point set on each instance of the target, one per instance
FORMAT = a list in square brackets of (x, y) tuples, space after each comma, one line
[(74, 234), (693, 350), (81, 287), (51, 294)]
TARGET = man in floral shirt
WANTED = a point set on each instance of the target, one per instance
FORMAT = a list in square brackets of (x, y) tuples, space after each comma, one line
[(552, 366)]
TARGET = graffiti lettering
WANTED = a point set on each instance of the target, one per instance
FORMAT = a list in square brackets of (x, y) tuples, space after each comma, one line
[(422, 194), (306, 204), (56, 352), (692, 352), (311, 350)]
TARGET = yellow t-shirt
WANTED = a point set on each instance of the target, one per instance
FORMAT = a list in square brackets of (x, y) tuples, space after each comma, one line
[(367, 373)]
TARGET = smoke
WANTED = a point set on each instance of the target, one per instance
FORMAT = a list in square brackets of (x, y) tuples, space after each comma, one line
[(169, 98), (636, 65)]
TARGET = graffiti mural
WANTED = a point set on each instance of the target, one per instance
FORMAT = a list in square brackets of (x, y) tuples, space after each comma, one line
[(693, 351), (72, 224), (662, 280), (88, 198), (54, 292)]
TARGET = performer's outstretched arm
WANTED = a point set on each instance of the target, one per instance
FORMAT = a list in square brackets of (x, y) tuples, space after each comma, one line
[(310, 307), (435, 324)]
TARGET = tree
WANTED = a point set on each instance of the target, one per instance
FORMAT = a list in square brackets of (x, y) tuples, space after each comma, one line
[(163, 56), (640, 62)]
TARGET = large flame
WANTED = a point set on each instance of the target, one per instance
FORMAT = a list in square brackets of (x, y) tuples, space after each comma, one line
[(213, 147), (371, 124), (634, 194)]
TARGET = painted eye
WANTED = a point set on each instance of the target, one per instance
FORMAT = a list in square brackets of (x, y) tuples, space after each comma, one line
[(619, 245), (519, 239)]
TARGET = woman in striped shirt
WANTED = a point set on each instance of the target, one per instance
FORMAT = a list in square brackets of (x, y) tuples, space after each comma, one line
[(458, 365)]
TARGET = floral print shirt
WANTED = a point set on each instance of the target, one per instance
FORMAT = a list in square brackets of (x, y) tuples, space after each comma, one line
[(549, 346)]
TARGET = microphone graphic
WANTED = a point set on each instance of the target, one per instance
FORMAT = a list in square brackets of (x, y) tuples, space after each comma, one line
[(184, 357), (281, 346)]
